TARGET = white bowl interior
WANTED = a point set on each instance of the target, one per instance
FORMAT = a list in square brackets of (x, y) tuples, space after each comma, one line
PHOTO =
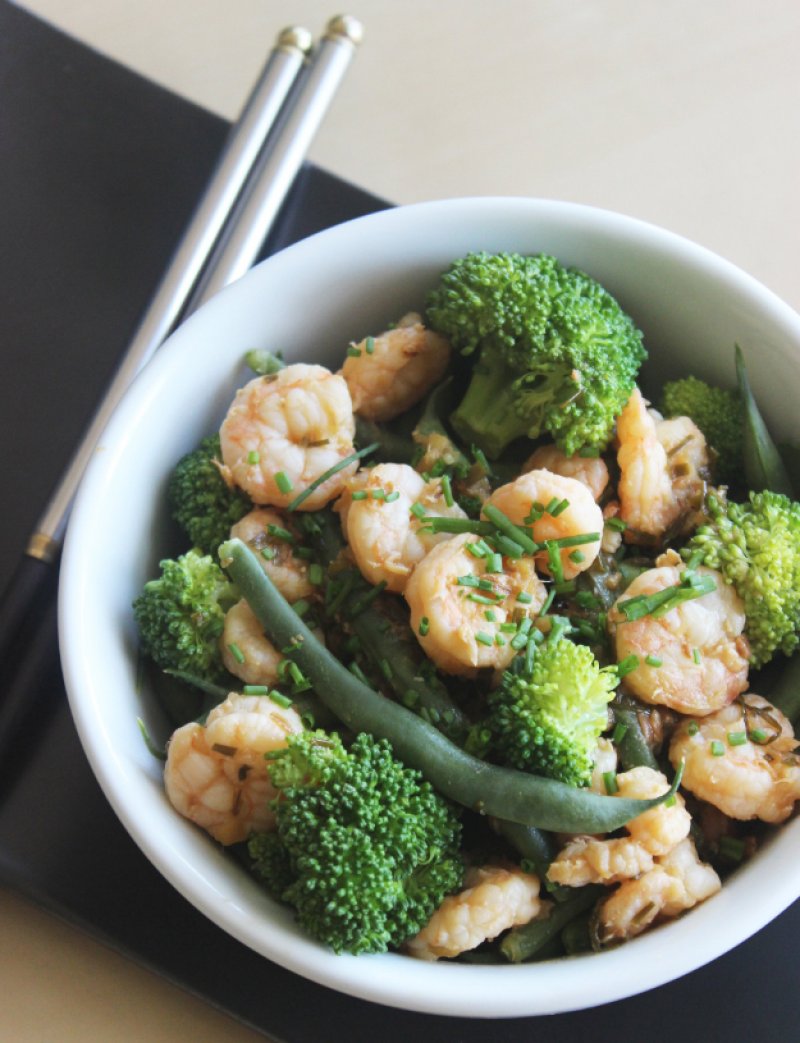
[(309, 302)]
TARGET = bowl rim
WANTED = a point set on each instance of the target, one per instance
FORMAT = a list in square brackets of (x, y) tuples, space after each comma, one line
[(460, 990)]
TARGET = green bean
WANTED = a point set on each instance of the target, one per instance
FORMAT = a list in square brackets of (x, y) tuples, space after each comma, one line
[(535, 846), (485, 788), (785, 694), (633, 748), (521, 943), (763, 467), (385, 637), (576, 937)]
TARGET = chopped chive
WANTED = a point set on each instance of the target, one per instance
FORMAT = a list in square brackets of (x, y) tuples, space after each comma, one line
[(567, 587), (619, 733), (551, 506), (696, 655), (369, 345), (355, 669), (367, 600), (548, 601), (509, 529), (617, 524), (424, 626), (509, 547), (377, 494), (354, 352), (518, 642), (479, 457), (481, 599), (255, 689), (467, 581), (283, 482), (692, 727), (758, 735), (301, 607), (554, 561), (577, 556), (524, 598), (509, 628), (525, 625), (476, 549), (652, 660), (280, 699), (410, 698), (316, 574), (268, 553), (717, 748), (447, 489), (304, 553), (359, 494), (418, 510), (280, 533), (253, 457), (483, 638), (494, 563), (610, 782), (340, 466), (489, 615), (576, 541), (587, 600), (392, 496), (499, 641), (628, 664), (236, 652), (737, 738), (386, 669)]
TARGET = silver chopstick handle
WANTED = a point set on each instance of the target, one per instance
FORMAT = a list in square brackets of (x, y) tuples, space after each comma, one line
[(239, 155), (244, 237)]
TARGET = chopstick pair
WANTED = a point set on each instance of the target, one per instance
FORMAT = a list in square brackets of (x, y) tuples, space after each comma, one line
[(259, 161)]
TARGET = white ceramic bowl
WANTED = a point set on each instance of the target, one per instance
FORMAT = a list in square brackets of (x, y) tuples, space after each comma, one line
[(309, 302)]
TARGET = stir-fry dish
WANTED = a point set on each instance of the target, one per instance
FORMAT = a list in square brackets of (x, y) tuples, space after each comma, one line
[(480, 648)]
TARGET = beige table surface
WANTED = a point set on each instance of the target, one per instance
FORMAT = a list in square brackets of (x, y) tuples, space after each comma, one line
[(681, 113)]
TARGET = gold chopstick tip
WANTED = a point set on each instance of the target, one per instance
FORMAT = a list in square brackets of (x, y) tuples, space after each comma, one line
[(295, 38), (42, 547), (345, 27)]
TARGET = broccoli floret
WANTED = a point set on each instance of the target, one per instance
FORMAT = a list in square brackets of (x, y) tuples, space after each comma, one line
[(756, 547), (555, 351), (365, 850), (180, 615), (201, 501), (547, 719), (718, 413)]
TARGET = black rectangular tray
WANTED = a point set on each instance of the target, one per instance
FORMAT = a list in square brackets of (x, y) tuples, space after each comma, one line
[(99, 173)]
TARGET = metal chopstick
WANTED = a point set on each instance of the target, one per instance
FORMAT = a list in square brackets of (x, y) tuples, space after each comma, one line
[(240, 153), (239, 246)]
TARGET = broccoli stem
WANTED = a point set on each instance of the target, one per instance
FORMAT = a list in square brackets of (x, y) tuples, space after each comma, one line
[(485, 788), (522, 943), (486, 415)]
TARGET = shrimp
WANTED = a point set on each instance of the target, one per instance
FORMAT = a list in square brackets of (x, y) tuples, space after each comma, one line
[(493, 900), (581, 516), (274, 552), (388, 374), (741, 759), (386, 538), (694, 658), (592, 471), (653, 494), (604, 760), (677, 882), (588, 860), (217, 776), (246, 651), (284, 431), (458, 609)]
